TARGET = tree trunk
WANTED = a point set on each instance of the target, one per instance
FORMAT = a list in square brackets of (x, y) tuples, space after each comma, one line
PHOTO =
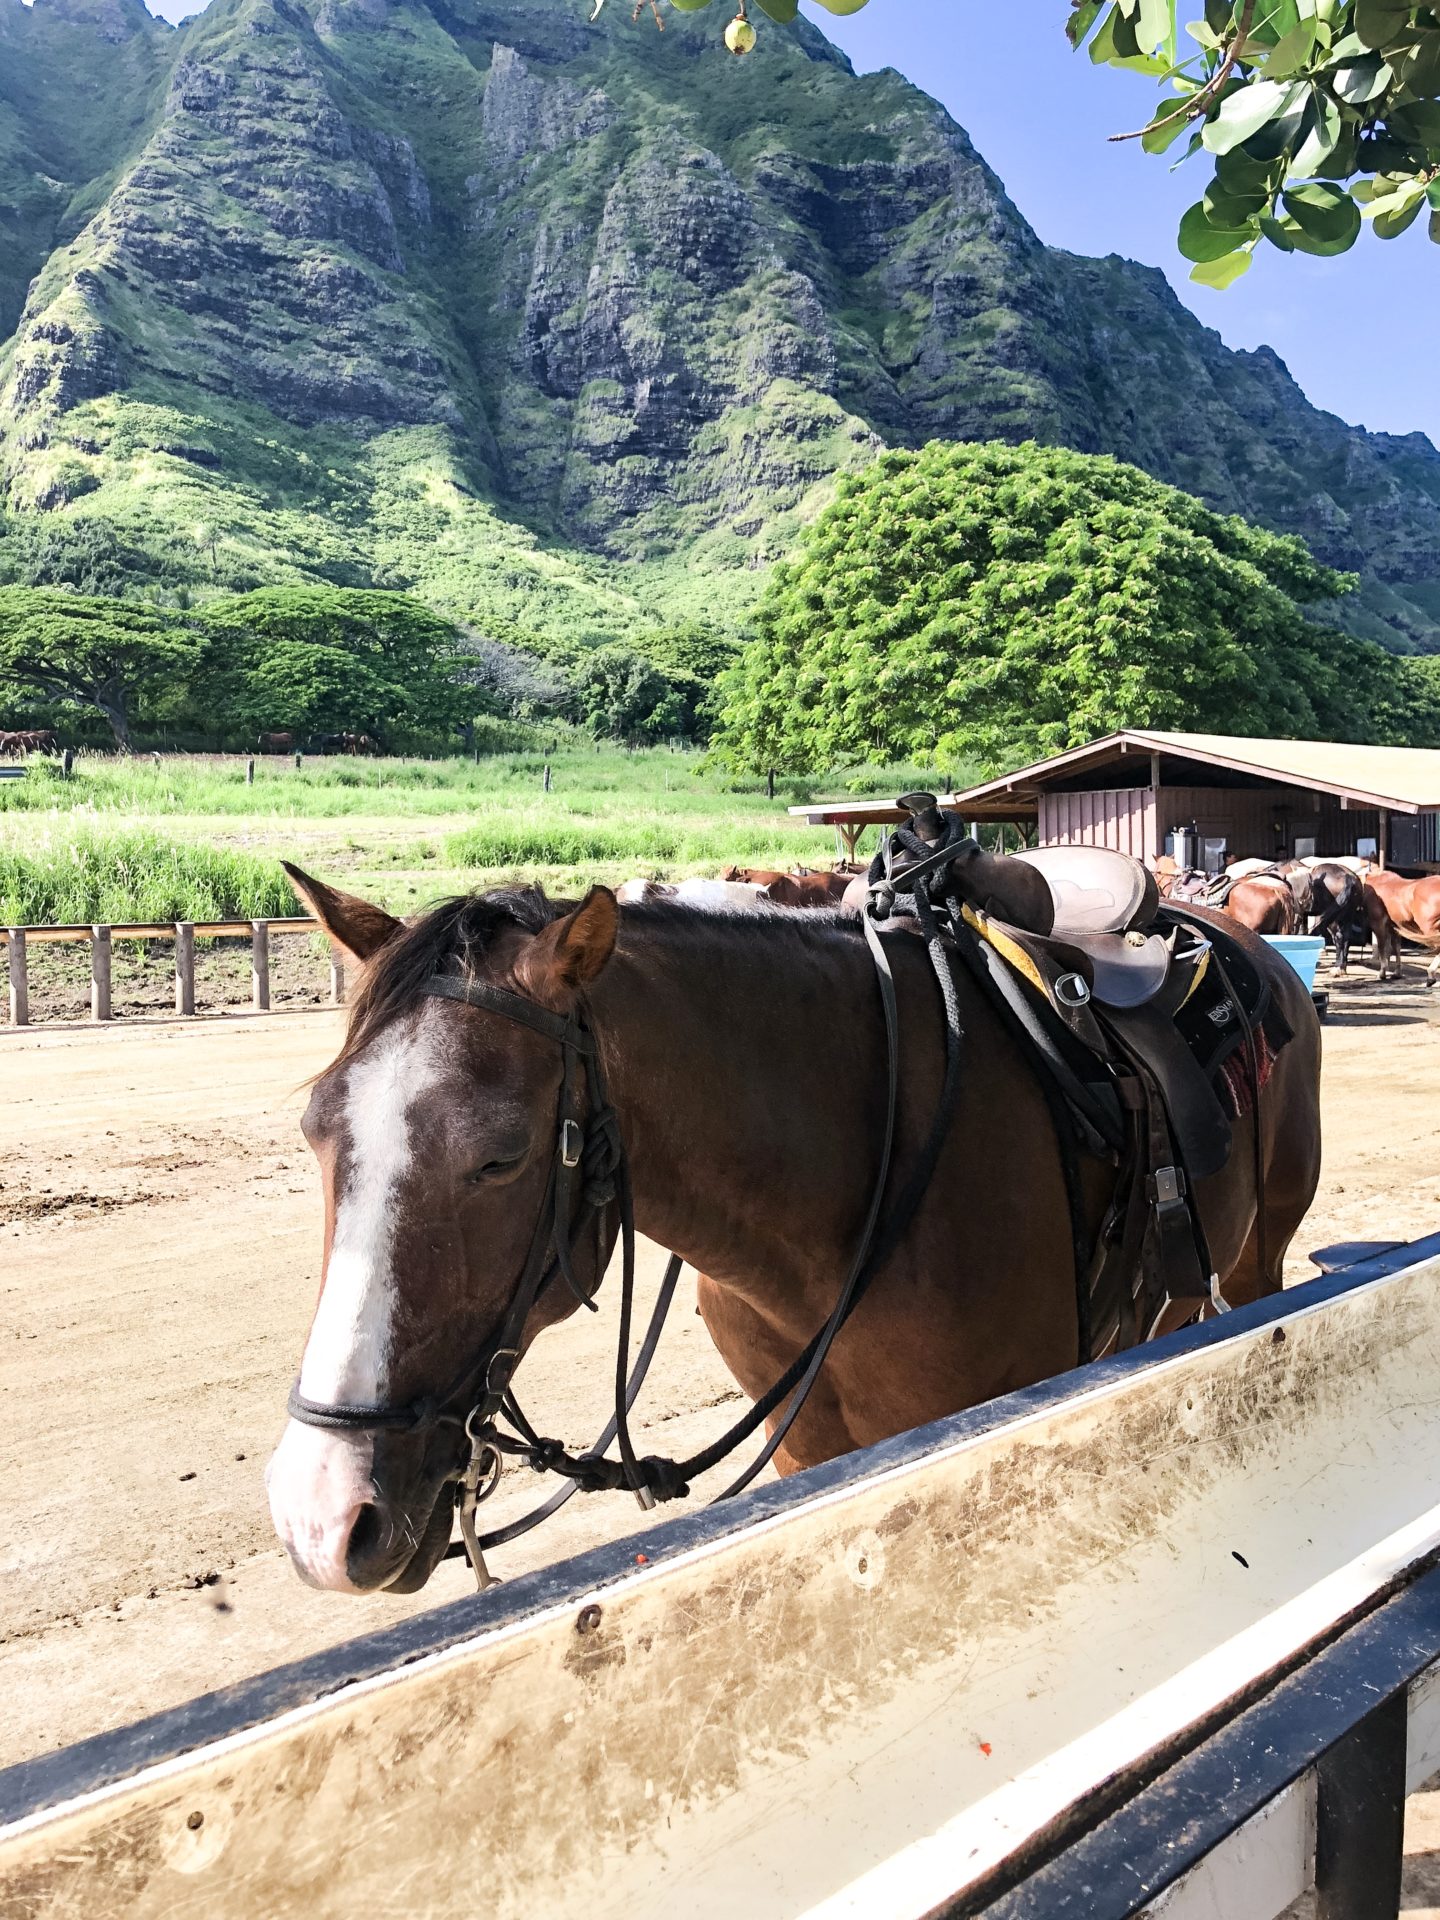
[(110, 699)]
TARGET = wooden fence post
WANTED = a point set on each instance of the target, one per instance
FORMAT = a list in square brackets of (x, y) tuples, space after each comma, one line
[(249, 773), (99, 973), (337, 977), (184, 967), (19, 980), (260, 965)]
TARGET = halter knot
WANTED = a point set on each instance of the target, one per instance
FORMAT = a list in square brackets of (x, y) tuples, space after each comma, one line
[(600, 1161)]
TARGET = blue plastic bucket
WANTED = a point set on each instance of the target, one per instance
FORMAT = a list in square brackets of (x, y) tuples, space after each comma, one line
[(1302, 950)]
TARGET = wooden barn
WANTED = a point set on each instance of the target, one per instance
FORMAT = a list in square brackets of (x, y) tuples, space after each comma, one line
[(1205, 798)]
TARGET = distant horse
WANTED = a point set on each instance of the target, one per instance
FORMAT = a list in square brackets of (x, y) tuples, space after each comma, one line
[(745, 1063), (1330, 900), (808, 889), (275, 743), (1264, 903), (1413, 907), (36, 740)]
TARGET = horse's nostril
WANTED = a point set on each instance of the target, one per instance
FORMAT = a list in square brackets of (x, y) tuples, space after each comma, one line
[(364, 1535)]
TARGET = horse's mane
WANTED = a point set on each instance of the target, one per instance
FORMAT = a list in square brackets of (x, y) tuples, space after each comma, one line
[(455, 936)]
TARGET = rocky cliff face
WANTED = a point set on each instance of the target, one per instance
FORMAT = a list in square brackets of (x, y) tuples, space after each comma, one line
[(535, 316)]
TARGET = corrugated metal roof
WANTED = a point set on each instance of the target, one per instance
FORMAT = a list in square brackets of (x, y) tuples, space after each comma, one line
[(1404, 778)]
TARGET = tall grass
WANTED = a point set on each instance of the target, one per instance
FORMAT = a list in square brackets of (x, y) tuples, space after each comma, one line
[(109, 878)]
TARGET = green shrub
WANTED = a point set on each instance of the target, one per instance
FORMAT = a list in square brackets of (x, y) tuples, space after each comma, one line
[(90, 876)]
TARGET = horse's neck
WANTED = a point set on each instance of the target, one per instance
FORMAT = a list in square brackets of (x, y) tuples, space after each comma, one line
[(744, 1061)]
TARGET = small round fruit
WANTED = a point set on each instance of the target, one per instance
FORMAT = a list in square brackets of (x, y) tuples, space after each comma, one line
[(739, 36)]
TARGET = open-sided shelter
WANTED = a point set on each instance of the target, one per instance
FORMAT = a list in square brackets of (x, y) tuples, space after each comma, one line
[(1203, 795)]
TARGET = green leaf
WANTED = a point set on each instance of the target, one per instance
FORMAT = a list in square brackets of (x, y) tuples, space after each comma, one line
[(1223, 272), (1390, 225), (1199, 240), (1199, 31), (1435, 228), (1293, 53), (1238, 172), (1232, 210), (1159, 139), (1320, 129), (1360, 80), (1432, 193), (1417, 120), (1278, 232), (1081, 20), (1155, 23), (1244, 112), (1274, 19), (782, 10), (1322, 210), (1377, 22), (1325, 216)]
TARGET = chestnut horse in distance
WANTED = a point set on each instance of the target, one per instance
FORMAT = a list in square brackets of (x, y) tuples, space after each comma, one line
[(745, 1059)]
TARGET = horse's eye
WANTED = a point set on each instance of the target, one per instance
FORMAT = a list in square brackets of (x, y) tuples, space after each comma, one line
[(494, 1170)]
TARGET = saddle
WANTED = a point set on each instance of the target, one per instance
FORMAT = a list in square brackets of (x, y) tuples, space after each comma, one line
[(1132, 1010)]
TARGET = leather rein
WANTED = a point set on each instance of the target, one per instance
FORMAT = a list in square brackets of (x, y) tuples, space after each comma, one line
[(589, 1176)]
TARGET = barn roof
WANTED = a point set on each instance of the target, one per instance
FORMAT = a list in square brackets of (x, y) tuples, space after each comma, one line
[(1406, 779)]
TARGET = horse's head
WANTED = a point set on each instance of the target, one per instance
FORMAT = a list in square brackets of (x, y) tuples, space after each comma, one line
[(436, 1134)]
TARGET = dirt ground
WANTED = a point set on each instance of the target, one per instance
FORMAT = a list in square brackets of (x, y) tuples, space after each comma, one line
[(159, 1236)]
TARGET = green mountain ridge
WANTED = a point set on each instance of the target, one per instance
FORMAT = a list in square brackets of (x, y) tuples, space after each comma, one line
[(565, 327)]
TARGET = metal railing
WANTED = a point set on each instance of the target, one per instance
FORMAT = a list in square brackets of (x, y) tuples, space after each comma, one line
[(19, 941)]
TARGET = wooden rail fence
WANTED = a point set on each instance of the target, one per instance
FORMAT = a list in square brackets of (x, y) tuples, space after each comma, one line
[(19, 941)]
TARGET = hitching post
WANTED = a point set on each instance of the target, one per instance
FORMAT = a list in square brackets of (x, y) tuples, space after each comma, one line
[(19, 979), (99, 973), (260, 965), (184, 967)]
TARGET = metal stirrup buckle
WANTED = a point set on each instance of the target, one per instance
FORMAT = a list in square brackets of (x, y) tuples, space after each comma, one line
[(572, 1143), (1167, 1186), (1072, 990)]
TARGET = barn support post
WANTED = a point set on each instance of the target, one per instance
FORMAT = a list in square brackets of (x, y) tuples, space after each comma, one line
[(184, 967), (260, 965), (1360, 1817), (99, 973), (1384, 846), (19, 978), (337, 977)]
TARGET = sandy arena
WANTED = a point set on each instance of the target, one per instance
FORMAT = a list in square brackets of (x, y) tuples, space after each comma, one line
[(159, 1227)]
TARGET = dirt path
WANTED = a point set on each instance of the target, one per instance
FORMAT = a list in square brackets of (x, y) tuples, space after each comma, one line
[(159, 1220)]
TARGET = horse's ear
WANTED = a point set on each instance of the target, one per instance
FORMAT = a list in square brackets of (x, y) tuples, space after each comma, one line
[(569, 953), (356, 925)]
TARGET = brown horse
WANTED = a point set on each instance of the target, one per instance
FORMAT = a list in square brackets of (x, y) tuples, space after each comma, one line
[(1264, 904), (1413, 909), (808, 889), (745, 1059)]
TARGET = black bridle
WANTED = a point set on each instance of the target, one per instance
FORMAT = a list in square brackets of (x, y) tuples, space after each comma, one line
[(588, 1176)]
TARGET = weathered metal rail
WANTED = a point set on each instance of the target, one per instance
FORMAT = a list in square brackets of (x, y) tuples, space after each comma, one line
[(19, 941), (1161, 1630)]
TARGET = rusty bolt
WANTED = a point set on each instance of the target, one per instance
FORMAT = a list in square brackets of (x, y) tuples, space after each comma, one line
[(589, 1620)]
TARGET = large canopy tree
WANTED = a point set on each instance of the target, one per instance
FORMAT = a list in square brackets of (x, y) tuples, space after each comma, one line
[(331, 659), (995, 604), (84, 652), (1316, 115)]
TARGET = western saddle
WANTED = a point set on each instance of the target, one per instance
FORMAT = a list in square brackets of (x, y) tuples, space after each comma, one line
[(1128, 1008)]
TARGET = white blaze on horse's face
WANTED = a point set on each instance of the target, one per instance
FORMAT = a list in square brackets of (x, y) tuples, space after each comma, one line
[(318, 1480)]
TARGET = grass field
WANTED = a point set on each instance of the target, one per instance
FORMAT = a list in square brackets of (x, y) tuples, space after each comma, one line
[(185, 837)]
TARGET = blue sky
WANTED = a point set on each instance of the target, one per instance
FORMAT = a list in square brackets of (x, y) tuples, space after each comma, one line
[(1359, 333)]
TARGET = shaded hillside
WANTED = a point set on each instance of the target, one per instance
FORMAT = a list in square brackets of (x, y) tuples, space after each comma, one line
[(559, 325)]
